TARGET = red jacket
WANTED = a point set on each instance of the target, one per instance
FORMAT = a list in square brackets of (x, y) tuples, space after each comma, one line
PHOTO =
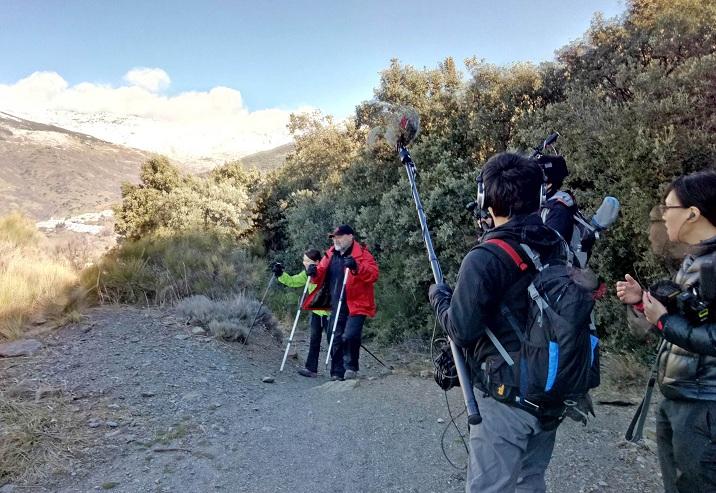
[(360, 296)]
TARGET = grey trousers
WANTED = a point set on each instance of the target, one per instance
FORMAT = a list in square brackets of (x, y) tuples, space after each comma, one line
[(686, 444), (509, 451)]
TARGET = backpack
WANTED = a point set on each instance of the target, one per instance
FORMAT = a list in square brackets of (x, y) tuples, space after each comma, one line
[(584, 234), (558, 359)]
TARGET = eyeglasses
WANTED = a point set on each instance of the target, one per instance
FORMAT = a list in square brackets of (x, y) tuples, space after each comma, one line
[(663, 208)]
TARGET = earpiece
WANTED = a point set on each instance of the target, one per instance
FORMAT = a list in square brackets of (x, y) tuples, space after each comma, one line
[(691, 215)]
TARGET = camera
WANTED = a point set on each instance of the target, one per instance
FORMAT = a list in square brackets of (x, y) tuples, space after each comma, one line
[(678, 301)]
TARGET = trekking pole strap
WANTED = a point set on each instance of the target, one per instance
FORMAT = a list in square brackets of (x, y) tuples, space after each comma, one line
[(635, 430)]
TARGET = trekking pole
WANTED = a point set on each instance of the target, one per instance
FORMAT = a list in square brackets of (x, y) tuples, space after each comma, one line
[(376, 358), (337, 315), (273, 276), (295, 323)]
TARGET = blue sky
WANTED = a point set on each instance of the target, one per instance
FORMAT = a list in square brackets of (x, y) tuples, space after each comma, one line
[(278, 54)]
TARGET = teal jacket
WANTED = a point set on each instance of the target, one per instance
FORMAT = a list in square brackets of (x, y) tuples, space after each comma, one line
[(299, 281)]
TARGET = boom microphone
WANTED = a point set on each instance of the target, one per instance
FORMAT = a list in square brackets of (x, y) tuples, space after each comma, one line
[(400, 125), (607, 213)]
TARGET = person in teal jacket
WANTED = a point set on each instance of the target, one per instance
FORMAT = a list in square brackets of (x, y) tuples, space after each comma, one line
[(319, 318)]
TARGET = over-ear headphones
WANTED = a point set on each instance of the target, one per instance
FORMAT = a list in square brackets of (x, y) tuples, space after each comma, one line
[(481, 191), (543, 188)]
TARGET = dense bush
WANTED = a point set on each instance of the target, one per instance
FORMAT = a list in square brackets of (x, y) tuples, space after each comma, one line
[(167, 201), (633, 100), (182, 236)]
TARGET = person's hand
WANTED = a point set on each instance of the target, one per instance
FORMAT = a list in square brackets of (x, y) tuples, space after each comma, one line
[(580, 409), (628, 291), (350, 263), (653, 309), (312, 270), (277, 269), (439, 292)]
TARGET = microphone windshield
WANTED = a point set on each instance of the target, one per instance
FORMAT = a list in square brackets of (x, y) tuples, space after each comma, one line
[(607, 213), (394, 124), (402, 125)]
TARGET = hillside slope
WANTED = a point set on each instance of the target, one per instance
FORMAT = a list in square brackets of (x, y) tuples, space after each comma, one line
[(47, 171)]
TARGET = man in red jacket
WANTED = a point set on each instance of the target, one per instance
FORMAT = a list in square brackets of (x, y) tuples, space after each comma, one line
[(359, 298)]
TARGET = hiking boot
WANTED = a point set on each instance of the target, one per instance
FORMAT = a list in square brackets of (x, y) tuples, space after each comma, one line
[(351, 375), (305, 372), (337, 378)]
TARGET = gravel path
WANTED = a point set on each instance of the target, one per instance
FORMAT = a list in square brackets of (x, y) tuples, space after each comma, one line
[(168, 411)]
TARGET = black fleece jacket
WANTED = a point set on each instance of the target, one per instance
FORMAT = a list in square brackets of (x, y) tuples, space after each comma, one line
[(486, 276)]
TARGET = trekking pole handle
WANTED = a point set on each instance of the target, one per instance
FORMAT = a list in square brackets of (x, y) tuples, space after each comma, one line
[(468, 394)]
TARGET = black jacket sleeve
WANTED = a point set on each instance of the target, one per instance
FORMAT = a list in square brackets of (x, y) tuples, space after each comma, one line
[(481, 281), (699, 339), (561, 219)]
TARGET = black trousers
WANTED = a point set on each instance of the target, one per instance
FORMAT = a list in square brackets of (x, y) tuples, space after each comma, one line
[(346, 344), (319, 326), (686, 440)]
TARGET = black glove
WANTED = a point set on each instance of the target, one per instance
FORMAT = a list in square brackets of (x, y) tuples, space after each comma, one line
[(312, 270), (350, 263), (439, 292), (580, 409), (277, 269)]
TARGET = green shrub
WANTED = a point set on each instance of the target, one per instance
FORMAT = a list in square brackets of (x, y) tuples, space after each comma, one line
[(632, 99), (169, 202)]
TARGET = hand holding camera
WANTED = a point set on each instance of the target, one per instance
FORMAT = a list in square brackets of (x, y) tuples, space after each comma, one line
[(668, 297)]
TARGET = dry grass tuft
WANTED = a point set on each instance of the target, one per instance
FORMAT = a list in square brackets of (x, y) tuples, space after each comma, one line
[(37, 437), (228, 319), (32, 280)]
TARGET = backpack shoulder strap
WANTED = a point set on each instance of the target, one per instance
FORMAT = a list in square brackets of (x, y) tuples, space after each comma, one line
[(505, 247), (534, 256), (507, 251)]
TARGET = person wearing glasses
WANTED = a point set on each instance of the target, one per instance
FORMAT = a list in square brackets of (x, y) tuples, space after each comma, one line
[(686, 418)]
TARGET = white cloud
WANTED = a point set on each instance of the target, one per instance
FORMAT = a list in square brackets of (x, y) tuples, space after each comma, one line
[(189, 126), (151, 79)]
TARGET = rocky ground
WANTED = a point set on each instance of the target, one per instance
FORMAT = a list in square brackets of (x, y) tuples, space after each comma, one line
[(166, 410)]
